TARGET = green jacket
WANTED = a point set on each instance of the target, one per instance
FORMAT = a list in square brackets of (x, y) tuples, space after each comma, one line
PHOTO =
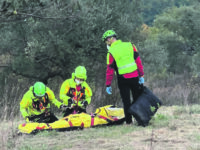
[(30, 106)]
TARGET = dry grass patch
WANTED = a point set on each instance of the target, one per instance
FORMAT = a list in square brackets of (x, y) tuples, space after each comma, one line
[(172, 128)]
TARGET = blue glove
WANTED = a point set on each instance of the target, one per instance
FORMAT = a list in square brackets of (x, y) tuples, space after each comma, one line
[(141, 80), (109, 90)]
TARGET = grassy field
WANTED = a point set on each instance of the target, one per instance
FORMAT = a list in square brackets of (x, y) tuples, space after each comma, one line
[(172, 128)]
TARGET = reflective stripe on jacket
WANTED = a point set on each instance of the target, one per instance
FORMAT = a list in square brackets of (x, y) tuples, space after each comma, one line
[(80, 93), (124, 56), (112, 67)]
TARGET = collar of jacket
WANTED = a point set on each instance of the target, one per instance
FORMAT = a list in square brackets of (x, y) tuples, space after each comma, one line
[(116, 42)]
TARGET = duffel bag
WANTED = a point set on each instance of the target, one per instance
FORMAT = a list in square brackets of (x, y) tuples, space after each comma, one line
[(145, 107)]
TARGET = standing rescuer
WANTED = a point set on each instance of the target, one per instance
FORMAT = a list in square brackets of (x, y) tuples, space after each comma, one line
[(36, 102), (123, 58), (75, 92)]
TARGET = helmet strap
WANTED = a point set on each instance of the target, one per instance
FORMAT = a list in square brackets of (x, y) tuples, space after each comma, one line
[(34, 92)]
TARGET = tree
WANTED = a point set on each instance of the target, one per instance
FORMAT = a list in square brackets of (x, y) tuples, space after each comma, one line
[(56, 36), (179, 34), (155, 7), (50, 38)]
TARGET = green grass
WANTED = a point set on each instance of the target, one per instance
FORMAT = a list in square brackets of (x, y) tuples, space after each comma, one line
[(197, 136), (170, 127), (160, 120), (193, 109)]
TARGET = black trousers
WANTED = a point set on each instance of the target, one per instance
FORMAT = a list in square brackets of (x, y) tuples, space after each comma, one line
[(74, 110), (44, 118), (125, 86)]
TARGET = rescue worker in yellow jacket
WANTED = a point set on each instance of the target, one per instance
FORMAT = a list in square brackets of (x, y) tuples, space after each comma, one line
[(123, 58), (36, 102), (75, 92)]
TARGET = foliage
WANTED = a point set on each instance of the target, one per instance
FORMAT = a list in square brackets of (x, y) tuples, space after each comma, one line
[(173, 41), (46, 39), (155, 7), (52, 38), (153, 54)]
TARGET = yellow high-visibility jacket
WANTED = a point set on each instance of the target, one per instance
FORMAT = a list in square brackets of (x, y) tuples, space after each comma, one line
[(124, 56), (69, 90), (31, 106)]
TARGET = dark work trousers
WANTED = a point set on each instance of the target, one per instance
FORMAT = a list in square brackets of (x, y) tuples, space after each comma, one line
[(125, 86), (44, 118), (74, 110)]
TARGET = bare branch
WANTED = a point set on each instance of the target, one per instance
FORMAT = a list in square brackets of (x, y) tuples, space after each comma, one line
[(42, 17)]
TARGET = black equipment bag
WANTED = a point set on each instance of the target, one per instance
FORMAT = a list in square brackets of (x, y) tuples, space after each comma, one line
[(145, 107)]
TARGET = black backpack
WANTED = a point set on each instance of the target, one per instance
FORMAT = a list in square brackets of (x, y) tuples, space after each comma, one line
[(145, 107)]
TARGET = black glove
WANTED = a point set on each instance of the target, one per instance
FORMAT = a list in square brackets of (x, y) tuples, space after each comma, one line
[(63, 107), (70, 102), (84, 103)]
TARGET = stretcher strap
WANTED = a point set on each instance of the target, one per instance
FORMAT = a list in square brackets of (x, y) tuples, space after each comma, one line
[(102, 117), (50, 127), (115, 119), (70, 123), (40, 128), (82, 125), (92, 120)]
